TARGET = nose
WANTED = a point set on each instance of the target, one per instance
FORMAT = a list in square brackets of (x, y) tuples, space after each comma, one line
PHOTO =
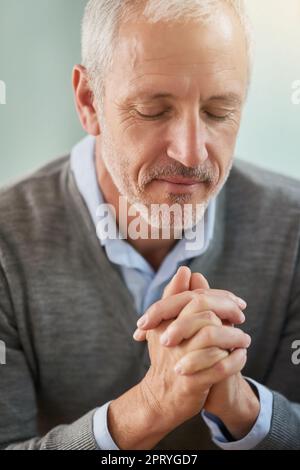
[(188, 142)]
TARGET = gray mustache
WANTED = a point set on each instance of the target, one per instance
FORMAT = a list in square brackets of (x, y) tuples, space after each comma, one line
[(203, 175)]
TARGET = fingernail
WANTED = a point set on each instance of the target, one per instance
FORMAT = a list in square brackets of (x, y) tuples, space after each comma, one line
[(242, 303), (137, 335), (179, 270), (248, 340), (243, 318), (142, 321), (164, 339)]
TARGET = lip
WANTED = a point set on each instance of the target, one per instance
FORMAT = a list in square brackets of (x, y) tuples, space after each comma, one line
[(180, 181), (179, 185)]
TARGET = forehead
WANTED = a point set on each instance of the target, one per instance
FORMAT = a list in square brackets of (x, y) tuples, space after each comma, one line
[(176, 58), (143, 94)]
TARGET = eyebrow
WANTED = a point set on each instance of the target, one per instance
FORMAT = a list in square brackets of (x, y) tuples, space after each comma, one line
[(151, 96), (230, 98), (227, 97)]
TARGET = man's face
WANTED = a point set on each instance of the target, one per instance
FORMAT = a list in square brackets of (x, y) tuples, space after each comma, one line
[(172, 109)]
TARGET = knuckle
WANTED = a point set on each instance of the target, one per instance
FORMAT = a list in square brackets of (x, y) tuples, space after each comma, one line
[(165, 290), (188, 363), (197, 300), (211, 317), (173, 329), (207, 335), (202, 301), (155, 309), (236, 307), (214, 351), (233, 309), (238, 334), (199, 291), (230, 295), (221, 368), (195, 294)]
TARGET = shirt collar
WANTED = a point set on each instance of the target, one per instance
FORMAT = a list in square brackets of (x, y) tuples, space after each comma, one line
[(119, 251)]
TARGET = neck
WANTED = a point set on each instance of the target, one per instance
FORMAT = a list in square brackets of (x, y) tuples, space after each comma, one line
[(153, 250)]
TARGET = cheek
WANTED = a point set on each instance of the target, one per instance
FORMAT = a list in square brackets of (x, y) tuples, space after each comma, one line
[(144, 146), (145, 138), (221, 148), (224, 135)]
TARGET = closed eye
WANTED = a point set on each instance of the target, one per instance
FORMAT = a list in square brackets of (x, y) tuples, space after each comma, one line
[(151, 116), (212, 116), (216, 117)]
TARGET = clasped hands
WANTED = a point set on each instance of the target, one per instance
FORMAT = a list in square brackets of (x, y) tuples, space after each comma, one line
[(197, 356)]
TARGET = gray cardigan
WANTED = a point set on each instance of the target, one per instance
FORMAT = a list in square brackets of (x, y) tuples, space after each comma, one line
[(67, 317)]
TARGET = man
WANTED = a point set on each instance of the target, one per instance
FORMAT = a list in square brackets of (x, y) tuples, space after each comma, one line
[(161, 93)]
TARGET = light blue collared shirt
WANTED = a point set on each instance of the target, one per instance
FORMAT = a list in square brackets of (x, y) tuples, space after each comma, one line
[(146, 287)]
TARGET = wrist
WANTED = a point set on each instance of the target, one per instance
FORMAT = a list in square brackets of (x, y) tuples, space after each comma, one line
[(241, 415), (134, 422)]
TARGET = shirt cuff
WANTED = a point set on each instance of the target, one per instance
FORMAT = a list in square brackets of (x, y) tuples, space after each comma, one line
[(259, 431), (100, 429)]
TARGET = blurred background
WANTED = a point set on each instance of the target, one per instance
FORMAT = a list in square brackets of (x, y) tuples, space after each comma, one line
[(40, 43)]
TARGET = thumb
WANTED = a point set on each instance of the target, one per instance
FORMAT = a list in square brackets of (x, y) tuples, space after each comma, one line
[(198, 281), (179, 283)]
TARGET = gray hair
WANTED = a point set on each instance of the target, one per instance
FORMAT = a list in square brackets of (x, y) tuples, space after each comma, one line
[(102, 19)]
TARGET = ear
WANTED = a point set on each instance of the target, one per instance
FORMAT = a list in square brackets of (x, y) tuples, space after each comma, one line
[(84, 100)]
